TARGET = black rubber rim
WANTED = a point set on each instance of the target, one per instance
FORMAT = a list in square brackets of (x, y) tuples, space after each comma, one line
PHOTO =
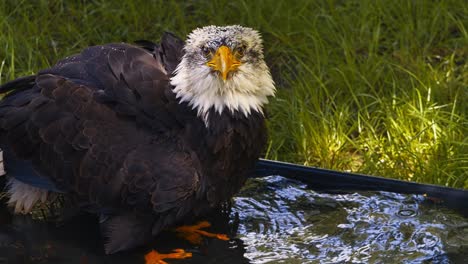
[(336, 181)]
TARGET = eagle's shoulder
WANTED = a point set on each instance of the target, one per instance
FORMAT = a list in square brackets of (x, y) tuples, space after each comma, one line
[(170, 50), (132, 80)]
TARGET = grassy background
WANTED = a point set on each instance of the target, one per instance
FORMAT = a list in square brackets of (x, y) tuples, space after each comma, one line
[(379, 87)]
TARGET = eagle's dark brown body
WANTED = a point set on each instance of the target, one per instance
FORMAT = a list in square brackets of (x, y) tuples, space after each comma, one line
[(106, 129)]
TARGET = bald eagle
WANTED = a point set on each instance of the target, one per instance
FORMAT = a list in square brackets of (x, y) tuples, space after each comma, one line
[(142, 135)]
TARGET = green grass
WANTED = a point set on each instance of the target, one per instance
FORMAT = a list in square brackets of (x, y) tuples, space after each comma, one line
[(378, 87)]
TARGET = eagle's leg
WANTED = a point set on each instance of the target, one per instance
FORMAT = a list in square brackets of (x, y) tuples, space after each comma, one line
[(125, 231), (194, 235), (153, 257)]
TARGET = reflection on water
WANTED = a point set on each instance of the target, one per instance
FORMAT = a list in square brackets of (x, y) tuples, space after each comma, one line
[(273, 220), (282, 221), (24, 240)]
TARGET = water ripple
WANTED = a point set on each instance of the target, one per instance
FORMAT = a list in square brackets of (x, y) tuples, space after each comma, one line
[(282, 221)]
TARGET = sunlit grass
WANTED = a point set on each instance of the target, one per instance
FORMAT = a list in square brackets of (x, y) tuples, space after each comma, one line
[(378, 87)]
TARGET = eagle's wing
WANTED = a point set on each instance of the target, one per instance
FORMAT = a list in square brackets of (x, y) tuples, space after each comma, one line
[(102, 125)]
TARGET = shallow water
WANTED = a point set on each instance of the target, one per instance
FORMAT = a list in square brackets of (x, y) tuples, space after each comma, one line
[(273, 220), (282, 221)]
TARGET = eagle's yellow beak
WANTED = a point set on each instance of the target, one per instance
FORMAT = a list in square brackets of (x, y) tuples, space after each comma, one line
[(224, 61)]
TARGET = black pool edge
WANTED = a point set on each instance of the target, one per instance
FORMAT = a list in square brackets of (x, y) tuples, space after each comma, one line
[(330, 180)]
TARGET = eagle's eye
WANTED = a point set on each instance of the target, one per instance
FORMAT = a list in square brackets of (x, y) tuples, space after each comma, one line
[(240, 50), (207, 51)]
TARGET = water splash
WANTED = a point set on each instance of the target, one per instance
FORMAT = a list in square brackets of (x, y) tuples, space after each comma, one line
[(283, 221)]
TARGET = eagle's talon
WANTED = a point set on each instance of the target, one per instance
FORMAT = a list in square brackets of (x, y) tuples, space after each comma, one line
[(154, 257), (193, 234)]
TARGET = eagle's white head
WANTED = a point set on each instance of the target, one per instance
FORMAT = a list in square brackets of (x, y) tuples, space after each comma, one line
[(223, 69)]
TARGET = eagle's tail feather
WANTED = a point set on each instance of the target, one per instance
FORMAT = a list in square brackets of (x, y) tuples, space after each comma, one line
[(23, 196), (126, 231)]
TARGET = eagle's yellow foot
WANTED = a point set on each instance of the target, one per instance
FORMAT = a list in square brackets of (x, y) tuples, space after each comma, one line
[(153, 257), (194, 235)]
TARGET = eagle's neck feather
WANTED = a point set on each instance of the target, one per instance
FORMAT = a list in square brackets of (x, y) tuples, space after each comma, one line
[(246, 91)]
